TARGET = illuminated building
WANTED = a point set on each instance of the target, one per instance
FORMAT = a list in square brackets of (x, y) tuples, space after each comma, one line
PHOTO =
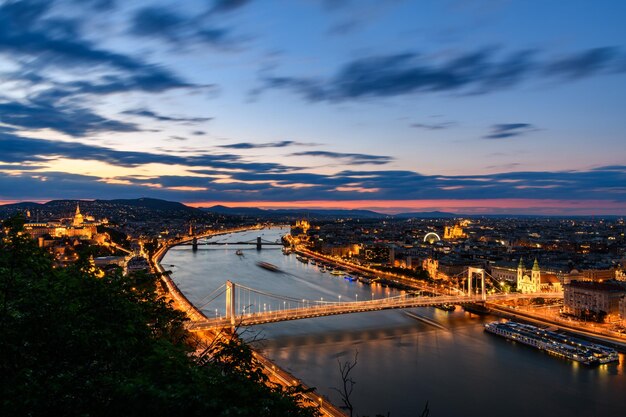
[(81, 227), (78, 217), (536, 281), (431, 266), (594, 299), (304, 225), (503, 273), (340, 250), (454, 232)]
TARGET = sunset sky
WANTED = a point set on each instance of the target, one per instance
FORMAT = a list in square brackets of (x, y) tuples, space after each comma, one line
[(485, 106)]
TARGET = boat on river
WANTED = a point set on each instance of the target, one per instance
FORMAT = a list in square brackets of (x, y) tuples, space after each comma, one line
[(302, 259), (336, 272), (239, 252), (268, 266), (558, 344)]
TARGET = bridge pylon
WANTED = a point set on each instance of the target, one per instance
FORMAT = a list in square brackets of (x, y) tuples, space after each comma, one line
[(258, 243), (230, 302), (470, 272)]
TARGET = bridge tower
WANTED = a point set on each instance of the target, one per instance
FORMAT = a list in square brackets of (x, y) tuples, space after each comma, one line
[(258, 243), (230, 302), (470, 273), (194, 244)]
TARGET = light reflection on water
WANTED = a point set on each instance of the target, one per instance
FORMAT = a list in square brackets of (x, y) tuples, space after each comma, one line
[(403, 362)]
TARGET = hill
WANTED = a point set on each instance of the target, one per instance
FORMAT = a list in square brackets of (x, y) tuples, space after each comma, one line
[(293, 213), (426, 215), (139, 209)]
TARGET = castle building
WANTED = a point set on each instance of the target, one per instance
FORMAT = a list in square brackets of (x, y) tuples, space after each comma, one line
[(78, 217), (535, 280), (79, 227)]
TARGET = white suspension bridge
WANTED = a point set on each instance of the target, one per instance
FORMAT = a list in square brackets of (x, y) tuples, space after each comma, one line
[(247, 306)]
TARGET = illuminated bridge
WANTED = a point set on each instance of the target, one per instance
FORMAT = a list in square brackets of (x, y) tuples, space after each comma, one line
[(247, 306), (258, 242)]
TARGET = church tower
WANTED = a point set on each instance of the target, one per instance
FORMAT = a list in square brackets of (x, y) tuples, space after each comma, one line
[(535, 276), (520, 273), (78, 218)]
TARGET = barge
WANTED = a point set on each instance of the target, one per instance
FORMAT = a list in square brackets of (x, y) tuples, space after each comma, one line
[(559, 344)]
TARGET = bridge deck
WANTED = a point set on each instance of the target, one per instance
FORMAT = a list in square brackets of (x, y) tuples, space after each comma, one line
[(232, 243), (331, 309)]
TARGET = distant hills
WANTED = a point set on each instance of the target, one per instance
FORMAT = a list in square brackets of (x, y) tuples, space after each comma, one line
[(426, 215), (321, 213), (140, 209), (134, 209)]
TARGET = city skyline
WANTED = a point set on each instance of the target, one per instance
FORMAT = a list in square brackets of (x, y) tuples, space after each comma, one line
[(480, 108)]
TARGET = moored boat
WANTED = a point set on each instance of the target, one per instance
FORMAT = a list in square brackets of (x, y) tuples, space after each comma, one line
[(558, 344)]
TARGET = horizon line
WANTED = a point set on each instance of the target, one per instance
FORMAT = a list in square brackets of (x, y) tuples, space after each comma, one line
[(496, 206)]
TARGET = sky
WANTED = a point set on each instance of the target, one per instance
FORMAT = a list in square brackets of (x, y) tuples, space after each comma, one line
[(469, 106)]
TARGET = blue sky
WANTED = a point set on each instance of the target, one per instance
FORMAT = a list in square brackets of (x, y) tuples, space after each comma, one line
[(472, 106)]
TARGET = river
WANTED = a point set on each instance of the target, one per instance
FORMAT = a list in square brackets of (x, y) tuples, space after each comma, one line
[(402, 362)]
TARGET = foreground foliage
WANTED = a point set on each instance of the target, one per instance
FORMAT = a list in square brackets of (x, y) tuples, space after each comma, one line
[(72, 344)]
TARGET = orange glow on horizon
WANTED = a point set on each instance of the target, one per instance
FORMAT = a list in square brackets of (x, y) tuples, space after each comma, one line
[(471, 206)]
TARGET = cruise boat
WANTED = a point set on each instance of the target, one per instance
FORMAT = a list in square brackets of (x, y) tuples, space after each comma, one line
[(559, 344), (336, 272)]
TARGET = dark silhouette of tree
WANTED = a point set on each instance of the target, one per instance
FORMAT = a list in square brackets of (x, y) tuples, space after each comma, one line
[(347, 383), (74, 344)]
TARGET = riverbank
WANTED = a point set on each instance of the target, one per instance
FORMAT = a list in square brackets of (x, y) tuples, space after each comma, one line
[(182, 303), (495, 309)]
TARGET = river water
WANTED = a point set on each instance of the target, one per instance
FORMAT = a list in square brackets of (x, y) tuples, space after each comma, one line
[(402, 362)]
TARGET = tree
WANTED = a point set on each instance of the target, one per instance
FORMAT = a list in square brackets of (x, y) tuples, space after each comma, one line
[(347, 386), (73, 344)]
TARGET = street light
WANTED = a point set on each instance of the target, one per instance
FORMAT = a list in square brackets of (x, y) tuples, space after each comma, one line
[(357, 297), (339, 298)]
